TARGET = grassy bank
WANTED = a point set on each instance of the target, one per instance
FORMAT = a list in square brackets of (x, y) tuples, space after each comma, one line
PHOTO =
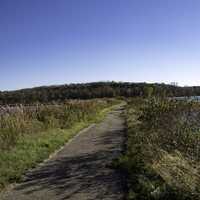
[(30, 135), (163, 152)]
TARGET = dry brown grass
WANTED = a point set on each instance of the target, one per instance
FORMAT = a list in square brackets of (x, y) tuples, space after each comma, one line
[(163, 155), (18, 121)]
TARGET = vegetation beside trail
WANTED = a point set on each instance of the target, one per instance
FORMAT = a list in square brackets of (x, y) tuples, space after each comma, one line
[(29, 134), (163, 150)]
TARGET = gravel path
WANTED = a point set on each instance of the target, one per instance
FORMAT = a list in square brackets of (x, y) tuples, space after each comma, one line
[(80, 171)]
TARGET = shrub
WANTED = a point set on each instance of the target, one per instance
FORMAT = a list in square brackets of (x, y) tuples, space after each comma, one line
[(162, 156)]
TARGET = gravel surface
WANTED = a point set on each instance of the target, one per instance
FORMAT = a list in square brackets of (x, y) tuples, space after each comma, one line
[(81, 170)]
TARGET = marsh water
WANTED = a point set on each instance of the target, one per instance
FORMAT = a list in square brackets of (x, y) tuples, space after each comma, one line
[(195, 98)]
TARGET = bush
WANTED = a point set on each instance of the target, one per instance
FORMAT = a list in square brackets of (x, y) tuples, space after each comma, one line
[(162, 156)]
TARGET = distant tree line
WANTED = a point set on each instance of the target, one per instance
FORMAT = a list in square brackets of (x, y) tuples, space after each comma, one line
[(47, 94)]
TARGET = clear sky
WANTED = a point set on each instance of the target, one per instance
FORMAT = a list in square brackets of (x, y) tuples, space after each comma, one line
[(47, 42)]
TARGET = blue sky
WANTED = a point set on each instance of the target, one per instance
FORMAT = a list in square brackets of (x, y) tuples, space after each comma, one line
[(47, 42)]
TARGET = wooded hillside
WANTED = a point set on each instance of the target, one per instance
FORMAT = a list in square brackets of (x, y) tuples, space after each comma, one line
[(46, 94)]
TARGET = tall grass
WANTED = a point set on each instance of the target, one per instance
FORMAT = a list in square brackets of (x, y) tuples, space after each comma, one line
[(22, 120), (28, 134), (163, 150)]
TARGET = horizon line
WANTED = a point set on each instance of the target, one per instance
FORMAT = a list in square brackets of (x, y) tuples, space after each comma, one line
[(176, 84)]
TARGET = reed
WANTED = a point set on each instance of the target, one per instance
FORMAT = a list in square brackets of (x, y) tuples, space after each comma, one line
[(18, 121)]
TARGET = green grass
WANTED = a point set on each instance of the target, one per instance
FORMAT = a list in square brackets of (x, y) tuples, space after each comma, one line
[(32, 149), (29, 151)]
